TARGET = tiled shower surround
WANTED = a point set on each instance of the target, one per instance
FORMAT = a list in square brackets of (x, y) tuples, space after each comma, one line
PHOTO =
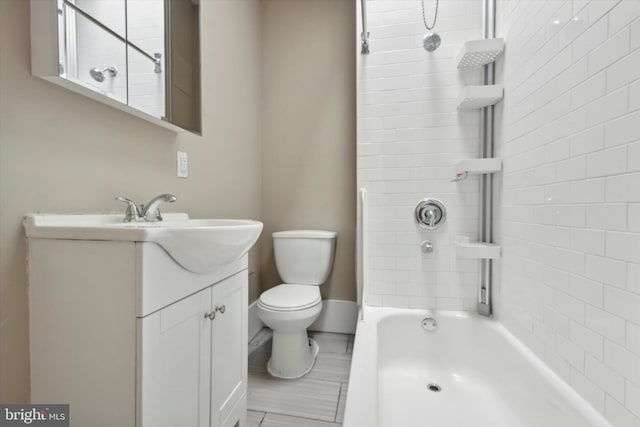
[(568, 202), (409, 136), (97, 48)]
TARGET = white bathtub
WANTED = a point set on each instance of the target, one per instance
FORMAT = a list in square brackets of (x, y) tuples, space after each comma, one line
[(487, 377)]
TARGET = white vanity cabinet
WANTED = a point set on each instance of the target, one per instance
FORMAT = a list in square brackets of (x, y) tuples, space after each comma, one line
[(192, 370), (118, 331)]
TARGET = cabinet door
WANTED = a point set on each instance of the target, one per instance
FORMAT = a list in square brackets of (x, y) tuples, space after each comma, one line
[(229, 350), (174, 362)]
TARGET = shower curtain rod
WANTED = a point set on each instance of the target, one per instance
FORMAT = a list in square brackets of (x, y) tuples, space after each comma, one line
[(154, 59)]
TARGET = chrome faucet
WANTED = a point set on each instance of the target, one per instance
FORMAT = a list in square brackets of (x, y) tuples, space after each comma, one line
[(148, 213), (430, 213), (151, 211)]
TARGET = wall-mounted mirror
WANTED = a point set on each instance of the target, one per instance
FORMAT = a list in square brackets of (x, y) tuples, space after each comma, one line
[(141, 56)]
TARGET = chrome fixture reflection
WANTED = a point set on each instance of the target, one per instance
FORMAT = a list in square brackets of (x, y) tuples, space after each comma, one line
[(430, 214), (148, 213), (99, 75), (156, 58), (432, 40)]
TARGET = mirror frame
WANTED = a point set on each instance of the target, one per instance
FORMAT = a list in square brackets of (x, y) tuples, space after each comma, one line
[(45, 57)]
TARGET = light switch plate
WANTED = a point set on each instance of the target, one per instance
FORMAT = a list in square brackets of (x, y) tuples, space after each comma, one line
[(182, 163)]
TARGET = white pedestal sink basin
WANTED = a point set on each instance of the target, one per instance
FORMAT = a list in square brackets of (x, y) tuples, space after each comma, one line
[(198, 245)]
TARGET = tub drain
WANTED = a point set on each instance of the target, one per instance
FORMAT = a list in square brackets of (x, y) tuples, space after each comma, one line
[(434, 387)]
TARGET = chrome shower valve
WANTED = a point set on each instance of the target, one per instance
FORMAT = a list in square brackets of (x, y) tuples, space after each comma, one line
[(430, 214)]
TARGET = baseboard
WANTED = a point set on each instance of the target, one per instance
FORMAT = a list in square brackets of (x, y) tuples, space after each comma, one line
[(337, 316), (255, 324)]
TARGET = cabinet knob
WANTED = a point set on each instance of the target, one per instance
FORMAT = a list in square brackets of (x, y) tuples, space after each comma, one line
[(212, 314)]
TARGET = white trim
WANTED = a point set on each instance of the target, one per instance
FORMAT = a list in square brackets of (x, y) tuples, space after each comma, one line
[(255, 324), (337, 316)]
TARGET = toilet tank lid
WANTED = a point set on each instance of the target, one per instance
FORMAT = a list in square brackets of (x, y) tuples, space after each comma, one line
[(305, 234)]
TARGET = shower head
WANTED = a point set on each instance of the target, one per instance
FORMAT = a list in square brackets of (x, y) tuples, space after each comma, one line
[(431, 42), (99, 75)]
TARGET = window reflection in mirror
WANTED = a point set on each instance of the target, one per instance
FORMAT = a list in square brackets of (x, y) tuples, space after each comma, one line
[(143, 53), (146, 30), (92, 55)]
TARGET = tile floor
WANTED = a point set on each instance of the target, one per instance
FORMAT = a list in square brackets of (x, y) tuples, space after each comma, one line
[(316, 400)]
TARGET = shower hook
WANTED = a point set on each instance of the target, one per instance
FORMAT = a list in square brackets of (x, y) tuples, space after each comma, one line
[(460, 176)]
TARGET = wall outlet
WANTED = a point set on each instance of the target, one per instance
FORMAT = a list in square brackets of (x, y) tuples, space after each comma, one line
[(182, 163)]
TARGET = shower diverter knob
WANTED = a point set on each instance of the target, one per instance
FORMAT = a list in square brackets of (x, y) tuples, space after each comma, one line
[(427, 247), (430, 213)]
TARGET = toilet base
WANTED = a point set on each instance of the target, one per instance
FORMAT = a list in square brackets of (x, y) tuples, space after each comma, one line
[(293, 355)]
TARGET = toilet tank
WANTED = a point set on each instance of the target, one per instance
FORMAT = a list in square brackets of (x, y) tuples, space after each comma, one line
[(304, 257)]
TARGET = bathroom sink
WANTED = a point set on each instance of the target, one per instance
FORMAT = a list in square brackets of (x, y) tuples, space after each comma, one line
[(198, 245)]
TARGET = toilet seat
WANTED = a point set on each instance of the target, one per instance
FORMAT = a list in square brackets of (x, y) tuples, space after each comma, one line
[(290, 297)]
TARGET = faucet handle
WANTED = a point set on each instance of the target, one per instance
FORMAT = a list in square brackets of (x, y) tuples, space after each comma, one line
[(431, 216), (430, 213), (132, 213)]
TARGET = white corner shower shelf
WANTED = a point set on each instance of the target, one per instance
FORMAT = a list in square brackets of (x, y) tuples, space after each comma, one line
[(476, 97), (476, 250), (476, 53), (476, 167)]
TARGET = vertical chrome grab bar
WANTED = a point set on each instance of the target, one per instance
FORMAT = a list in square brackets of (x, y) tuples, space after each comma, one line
[(484, 304), (361, 275)]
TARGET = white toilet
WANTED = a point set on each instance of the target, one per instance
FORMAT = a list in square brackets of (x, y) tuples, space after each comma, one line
[(304, 259)]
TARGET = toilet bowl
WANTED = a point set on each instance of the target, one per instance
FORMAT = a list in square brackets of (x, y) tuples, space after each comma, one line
[(304, 259), (292, 354)]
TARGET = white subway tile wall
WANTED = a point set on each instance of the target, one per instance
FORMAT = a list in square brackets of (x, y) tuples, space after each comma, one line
[(98, 49), (567, 211), (409, 137), (146, 29)]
